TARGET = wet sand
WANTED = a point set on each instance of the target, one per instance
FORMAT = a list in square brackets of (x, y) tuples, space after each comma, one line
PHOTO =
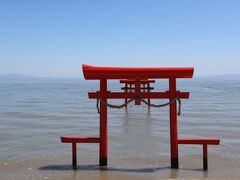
[(131, 168)]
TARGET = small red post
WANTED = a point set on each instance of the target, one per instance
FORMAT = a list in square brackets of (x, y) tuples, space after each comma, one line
[(103, 124), (205, 157), (126, 90), (74, 156), (148, 89), (137, 91), (173, 123)]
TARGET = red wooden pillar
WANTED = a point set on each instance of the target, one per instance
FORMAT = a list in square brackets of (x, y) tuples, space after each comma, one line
[(148, 89), (103, 125), (173, 124), (137, 91), (205, 158), (74, 156), (126, 90)]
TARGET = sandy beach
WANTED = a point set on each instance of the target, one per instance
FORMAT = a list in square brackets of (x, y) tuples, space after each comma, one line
[(119, 168)]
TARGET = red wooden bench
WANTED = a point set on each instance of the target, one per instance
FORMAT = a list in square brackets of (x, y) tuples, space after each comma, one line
[(202, 141), (78, 139)]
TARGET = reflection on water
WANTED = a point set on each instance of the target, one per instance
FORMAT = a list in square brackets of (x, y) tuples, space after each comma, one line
[(34, 115), (173, 173)]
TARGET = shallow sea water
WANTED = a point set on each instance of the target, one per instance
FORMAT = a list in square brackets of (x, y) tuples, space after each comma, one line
[(33, 116)]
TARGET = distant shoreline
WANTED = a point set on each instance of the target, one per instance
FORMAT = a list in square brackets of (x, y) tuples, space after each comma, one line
[(23, 76)]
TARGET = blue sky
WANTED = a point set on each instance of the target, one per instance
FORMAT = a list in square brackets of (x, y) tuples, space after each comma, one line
[(54, 38)]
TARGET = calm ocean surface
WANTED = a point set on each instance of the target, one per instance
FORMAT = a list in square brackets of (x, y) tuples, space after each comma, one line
[(34, 114)]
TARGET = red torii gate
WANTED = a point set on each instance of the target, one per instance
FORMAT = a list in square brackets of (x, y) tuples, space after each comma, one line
[(130, 83), (106, 73)]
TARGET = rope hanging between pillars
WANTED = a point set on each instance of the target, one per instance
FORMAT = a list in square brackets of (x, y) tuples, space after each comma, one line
[(99, 99)]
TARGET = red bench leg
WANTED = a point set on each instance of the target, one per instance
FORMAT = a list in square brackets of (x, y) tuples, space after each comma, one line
[(205, 158), (74, 156)]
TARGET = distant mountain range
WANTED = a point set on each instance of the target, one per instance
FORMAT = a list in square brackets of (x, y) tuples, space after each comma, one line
[(223, 76), (21, 77), (17, 76)]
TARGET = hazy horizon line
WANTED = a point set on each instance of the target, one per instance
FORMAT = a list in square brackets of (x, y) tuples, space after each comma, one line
[(17, 75)]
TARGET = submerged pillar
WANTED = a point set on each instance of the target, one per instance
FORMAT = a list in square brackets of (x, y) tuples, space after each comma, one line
[(103, 125), (173, 123), (74, 156)]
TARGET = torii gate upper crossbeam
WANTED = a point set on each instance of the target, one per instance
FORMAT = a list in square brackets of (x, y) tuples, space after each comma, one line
[(94, 72)]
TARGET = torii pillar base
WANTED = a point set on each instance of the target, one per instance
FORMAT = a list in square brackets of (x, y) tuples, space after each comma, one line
[(103, 161), (174, 163)]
